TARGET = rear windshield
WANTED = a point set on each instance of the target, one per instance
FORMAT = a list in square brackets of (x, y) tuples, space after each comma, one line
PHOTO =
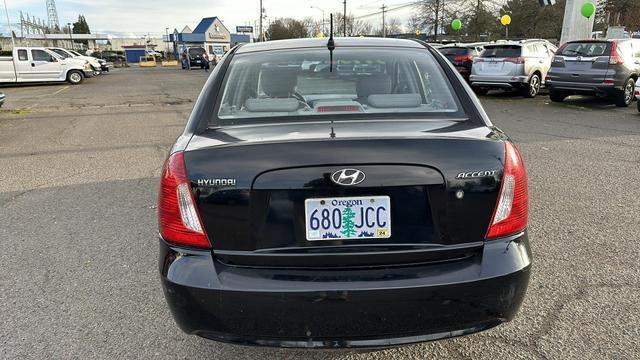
[(361, 83), (586, 49), (453, 51), (196, 51), (502, 51)]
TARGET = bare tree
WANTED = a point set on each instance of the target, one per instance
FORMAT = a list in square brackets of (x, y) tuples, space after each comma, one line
[(355, 27)]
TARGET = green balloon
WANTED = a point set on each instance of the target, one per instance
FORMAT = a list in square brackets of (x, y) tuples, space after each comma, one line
[(456, 24), (588, 10)]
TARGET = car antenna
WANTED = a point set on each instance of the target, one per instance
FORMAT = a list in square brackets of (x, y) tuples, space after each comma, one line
[(331, 45)]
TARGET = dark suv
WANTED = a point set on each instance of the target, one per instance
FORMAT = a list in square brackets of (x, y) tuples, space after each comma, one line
[(595, 67), (461, 56)]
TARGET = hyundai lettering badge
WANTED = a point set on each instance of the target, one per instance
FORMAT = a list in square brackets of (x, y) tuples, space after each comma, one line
[(348, 177)]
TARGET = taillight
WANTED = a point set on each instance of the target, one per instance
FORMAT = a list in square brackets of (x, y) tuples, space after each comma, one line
[(547, 78), (615, 58), (463, 58), (608, 82), (512, 210), (178, 216), (515, 60)]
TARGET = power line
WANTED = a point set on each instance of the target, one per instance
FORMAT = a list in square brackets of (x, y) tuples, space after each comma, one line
[(411, 4)]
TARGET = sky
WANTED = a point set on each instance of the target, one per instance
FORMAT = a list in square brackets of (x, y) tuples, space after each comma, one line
[(127, 18)]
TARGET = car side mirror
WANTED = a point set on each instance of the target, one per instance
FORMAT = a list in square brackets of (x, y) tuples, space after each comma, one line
[(52, 59)]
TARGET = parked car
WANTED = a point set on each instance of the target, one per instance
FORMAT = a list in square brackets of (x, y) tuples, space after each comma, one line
[(194, 56), (155, 54), (462, 55), (2, 97), (110, 56), (95, 63), (39, 64), (304, 209), (606, 68), (513, 65), (638, 94), (105, 66)]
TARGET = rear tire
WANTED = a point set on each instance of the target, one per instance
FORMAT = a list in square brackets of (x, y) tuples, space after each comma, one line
[(557, 96), (481, 91), (625, 97), (532, 89), (75, 77)]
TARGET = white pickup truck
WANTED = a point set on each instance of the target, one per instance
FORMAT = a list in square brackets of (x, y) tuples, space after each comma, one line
[(38, 64)]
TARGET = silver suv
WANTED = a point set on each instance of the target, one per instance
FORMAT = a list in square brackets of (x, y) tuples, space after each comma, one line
[(512, 65), (596, 67)]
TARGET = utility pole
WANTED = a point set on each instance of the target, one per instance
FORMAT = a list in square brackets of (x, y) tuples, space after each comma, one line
[(435, 28), (344, 17), (384, 27), (260, 26)]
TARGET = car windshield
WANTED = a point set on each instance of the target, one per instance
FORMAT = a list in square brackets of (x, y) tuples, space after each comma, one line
[(361, 83), (501, 51), (63, 54), (586, 49)]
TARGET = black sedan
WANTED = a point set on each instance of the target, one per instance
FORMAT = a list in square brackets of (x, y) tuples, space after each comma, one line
[(314, 208)]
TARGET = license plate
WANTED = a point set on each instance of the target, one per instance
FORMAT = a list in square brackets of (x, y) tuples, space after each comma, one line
[(366, 217)]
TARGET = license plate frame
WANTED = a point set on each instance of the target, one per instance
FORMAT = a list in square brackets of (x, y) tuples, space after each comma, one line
[(365, 210)]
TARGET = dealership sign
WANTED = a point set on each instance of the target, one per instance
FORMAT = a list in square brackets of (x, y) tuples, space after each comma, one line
[(244, 29)]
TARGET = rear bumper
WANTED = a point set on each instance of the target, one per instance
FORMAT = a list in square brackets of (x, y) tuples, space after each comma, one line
[(497, 82), (364, 308), (583, 88)]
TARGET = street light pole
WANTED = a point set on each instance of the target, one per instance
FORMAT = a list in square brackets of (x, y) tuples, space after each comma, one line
[(71, 36), (167, 40), (317, 8), (6, 11)]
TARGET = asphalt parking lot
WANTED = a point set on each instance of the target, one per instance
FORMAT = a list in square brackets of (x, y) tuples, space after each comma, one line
[(79, 169)]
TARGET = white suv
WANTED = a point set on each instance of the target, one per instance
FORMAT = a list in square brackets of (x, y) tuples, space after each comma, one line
[(520, 65)]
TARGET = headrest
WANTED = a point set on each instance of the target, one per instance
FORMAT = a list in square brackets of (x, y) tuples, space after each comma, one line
[(374, 84), (279, 83)]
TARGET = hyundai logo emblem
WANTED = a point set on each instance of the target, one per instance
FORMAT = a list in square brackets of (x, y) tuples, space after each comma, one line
[(348, 177)]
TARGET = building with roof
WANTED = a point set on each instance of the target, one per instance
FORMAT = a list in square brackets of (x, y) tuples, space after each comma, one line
[(211, 34)]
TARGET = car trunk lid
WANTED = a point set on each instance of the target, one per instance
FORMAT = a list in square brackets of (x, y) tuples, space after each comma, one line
[(583, 62), (251, 193), (499, 60)]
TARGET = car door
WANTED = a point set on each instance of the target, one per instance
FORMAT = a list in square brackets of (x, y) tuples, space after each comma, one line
[(635, 61), (23, 65), (531, 59), (44, 66), (547, 52)]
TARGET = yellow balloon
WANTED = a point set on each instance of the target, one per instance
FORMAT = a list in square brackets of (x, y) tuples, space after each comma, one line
[(505, 20), (320, 34)]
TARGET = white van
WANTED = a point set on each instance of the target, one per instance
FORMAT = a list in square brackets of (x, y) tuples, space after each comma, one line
[(38, 64)]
